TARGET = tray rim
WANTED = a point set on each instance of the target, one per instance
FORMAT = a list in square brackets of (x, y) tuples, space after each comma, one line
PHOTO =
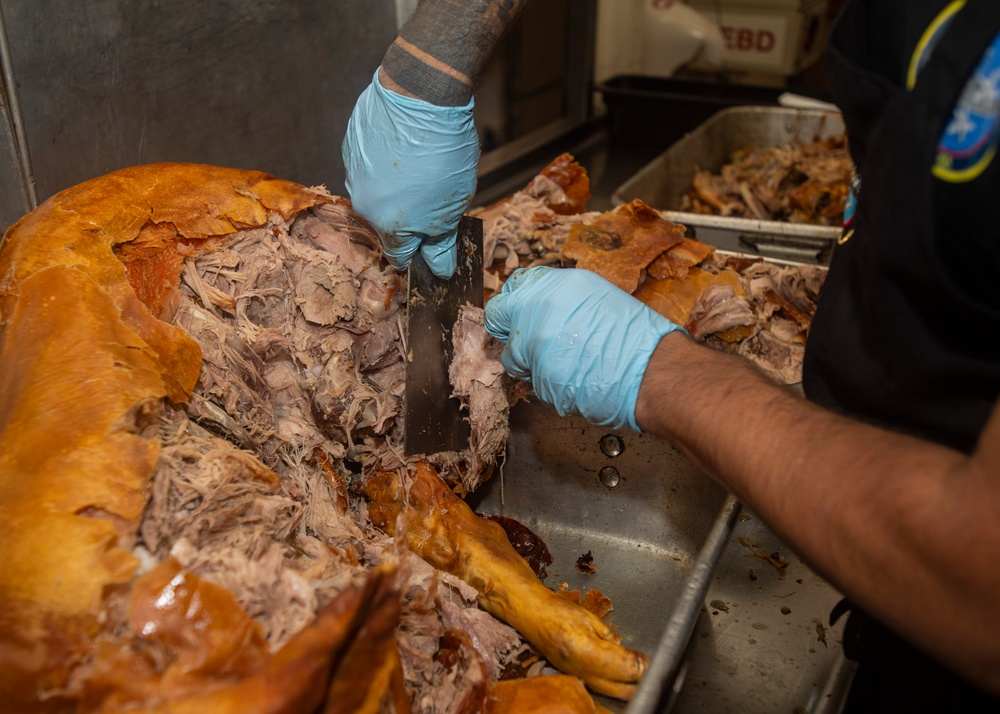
[(739, 225)]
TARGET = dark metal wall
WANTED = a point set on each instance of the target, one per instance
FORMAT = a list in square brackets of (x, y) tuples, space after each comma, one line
[(262, 84), (89, 86), (14, 199)]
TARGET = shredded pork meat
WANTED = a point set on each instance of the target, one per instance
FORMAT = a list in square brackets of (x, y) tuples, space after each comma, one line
[(301, 330)]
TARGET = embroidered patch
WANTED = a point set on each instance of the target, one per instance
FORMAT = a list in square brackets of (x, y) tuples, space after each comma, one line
[(969, 141)]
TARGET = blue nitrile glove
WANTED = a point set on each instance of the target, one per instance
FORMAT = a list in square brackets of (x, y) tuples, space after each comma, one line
[(583, 342), (411, 171)]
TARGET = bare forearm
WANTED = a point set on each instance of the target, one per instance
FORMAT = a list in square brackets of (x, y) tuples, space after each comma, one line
[(441, 50), (905, 527)]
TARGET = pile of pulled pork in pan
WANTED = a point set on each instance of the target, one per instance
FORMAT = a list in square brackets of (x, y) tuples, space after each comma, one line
[(796, 183)]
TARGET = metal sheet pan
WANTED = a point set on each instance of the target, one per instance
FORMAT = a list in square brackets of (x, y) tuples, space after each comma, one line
[(676, 555), (664, 181)]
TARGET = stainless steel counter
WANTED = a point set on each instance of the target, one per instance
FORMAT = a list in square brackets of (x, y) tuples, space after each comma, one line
[(756, 638)]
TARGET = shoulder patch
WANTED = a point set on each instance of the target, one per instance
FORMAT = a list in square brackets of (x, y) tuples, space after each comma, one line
[(969, 141)]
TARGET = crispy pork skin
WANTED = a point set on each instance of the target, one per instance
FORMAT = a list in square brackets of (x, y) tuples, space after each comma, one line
[(553, 694), (444, 531), (86, 368)]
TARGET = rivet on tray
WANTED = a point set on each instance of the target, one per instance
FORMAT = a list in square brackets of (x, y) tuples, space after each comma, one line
[(609, 476), (612, 445)]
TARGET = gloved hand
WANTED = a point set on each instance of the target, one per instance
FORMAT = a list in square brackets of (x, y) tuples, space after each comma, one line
[(583, 342), (411, 171)]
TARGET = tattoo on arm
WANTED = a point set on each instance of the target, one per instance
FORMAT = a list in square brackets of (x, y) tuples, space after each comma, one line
[(442, 49)]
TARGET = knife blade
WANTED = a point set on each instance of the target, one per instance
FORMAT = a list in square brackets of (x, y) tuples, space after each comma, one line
[(433, 418)]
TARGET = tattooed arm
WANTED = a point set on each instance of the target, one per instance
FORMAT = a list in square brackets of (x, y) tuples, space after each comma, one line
[(411, 150), (442, 49)]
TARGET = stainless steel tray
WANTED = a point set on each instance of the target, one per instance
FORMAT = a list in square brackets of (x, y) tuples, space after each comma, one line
[(664, 181), (675, 554)]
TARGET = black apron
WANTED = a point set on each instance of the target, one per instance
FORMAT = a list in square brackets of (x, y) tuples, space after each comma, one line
[(907, 330), (900, 339)]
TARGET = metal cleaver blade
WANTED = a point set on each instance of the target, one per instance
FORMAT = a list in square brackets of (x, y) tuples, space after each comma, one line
[(434, 420)]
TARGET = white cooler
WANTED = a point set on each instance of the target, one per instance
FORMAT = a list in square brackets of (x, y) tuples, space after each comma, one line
[(776, 37)]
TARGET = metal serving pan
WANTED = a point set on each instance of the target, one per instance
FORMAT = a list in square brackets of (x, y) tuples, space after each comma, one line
[(664, 181), (682, 563)]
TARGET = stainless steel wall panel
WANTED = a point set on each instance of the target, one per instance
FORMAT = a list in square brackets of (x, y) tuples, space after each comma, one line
[(13, 198), (263, 84), (16, 182)]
